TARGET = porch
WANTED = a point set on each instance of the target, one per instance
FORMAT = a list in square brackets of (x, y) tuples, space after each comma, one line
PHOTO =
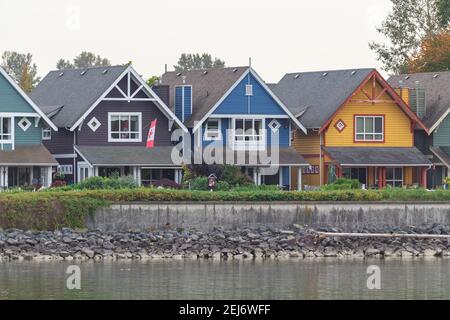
[(377, 168), (26, 166)]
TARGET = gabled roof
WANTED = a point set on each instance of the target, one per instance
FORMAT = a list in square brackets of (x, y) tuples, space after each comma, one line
[(27, 99), (73, 91), (437, 93), (210, 86), (317, 95)]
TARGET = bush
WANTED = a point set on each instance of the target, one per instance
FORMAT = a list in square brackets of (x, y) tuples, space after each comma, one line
[(115, 182), (343, 184), (167, 183), (232, 175)]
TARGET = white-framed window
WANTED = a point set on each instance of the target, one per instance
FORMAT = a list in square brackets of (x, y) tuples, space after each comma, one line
[(66, 168), (213, 130), (46, 133), (248, 132), (125, 127), (369, 128), (6, 134)]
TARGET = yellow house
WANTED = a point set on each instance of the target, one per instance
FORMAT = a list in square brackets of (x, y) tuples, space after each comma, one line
[(357, 127)]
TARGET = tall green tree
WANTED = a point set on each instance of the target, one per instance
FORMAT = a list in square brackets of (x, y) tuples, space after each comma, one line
[(408, 24), (195, 61), (83, 60), (16, 64), (444, 12), (152, 80)]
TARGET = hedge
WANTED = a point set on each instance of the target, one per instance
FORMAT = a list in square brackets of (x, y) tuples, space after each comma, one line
[(55, 209)]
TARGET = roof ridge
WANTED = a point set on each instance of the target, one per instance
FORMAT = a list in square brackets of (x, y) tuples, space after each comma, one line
[(329, 71), (208, 69), (89, 68)]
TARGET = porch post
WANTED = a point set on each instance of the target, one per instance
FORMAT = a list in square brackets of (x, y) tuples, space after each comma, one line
[(380, 178), (2, 177), (424, 177), (95, 171), (49, 177), (299, 179)]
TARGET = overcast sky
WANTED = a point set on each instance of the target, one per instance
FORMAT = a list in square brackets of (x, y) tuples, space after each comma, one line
[(281, 36)]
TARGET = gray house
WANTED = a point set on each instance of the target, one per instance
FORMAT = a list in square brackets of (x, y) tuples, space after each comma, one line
[(428, 94), (103, 115)]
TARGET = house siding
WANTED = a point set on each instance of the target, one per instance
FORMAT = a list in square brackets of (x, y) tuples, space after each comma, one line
[(441, 136), (149, 112), (260, 103), (32, 136), (61, 142), (11, 100)]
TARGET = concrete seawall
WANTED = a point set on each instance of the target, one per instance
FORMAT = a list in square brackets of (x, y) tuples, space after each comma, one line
[(205, 216)]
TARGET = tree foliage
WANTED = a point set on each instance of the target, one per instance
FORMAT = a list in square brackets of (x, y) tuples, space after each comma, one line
[(444, 12), (434, 55), (406, 27), (83, 60), (21, 68), (189, 61), (152, 80)]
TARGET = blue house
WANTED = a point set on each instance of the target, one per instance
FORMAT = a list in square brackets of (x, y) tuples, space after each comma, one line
[(24, 160), (234, 118)]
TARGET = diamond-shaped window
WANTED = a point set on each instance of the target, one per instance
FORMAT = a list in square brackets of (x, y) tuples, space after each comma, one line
[(274, 125), (94, 124), (24, 124), (340, 125)]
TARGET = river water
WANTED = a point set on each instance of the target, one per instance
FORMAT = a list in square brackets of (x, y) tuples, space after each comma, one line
[(170, 279)]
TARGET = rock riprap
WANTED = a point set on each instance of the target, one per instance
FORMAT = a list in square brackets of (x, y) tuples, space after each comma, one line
[(295, 242)]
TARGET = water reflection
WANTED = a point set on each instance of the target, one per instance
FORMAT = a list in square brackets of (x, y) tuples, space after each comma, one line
[(168, 279)]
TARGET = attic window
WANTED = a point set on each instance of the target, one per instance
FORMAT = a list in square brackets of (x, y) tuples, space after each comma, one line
[(24, 124), (249, 90), (46, 133)]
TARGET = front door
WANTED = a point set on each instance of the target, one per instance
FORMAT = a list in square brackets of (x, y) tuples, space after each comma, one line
[(84, 171)]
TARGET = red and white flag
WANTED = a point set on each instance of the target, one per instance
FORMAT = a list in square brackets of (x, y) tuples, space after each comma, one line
[(151, 135)]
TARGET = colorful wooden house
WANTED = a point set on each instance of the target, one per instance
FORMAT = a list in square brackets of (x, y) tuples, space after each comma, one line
[(428, 94), (104, 116), (24, 160), (358, 127), (233, 111)]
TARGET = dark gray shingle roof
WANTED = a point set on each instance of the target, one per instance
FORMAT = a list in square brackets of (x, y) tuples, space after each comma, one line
[(442, 153), (73, 91), (27, 155), (286, 156), (377, 156), (437, 92), (317, 94), (128, 155), (207, 90)]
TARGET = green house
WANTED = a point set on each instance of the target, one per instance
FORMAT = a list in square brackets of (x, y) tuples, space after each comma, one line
[(24, 161)]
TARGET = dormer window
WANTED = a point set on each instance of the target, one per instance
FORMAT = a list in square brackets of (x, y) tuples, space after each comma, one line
[(46, 133), (212, 130)]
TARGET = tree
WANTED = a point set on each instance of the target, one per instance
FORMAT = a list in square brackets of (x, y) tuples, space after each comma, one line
[(444, 12), (189, 61), (434, 55), (152, 80), (25, 79), (16, 64), (406, 27), (82, 61)]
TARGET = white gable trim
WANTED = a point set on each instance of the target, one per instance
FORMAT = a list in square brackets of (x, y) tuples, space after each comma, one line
[(265, 87), (27, 99), (128, 72), (438, 123)]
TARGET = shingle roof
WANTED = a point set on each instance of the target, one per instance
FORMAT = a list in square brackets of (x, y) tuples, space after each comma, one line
[(128, 155), (210, 86), (442, 153), (287, 156), (437, 92), (73, 91), (387, 156), (27, 155), (318, 94)]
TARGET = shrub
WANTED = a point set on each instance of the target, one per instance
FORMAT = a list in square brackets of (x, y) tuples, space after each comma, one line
[(343, 184), (58, 184), (167, 183), (198, 183), (115, 182)]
